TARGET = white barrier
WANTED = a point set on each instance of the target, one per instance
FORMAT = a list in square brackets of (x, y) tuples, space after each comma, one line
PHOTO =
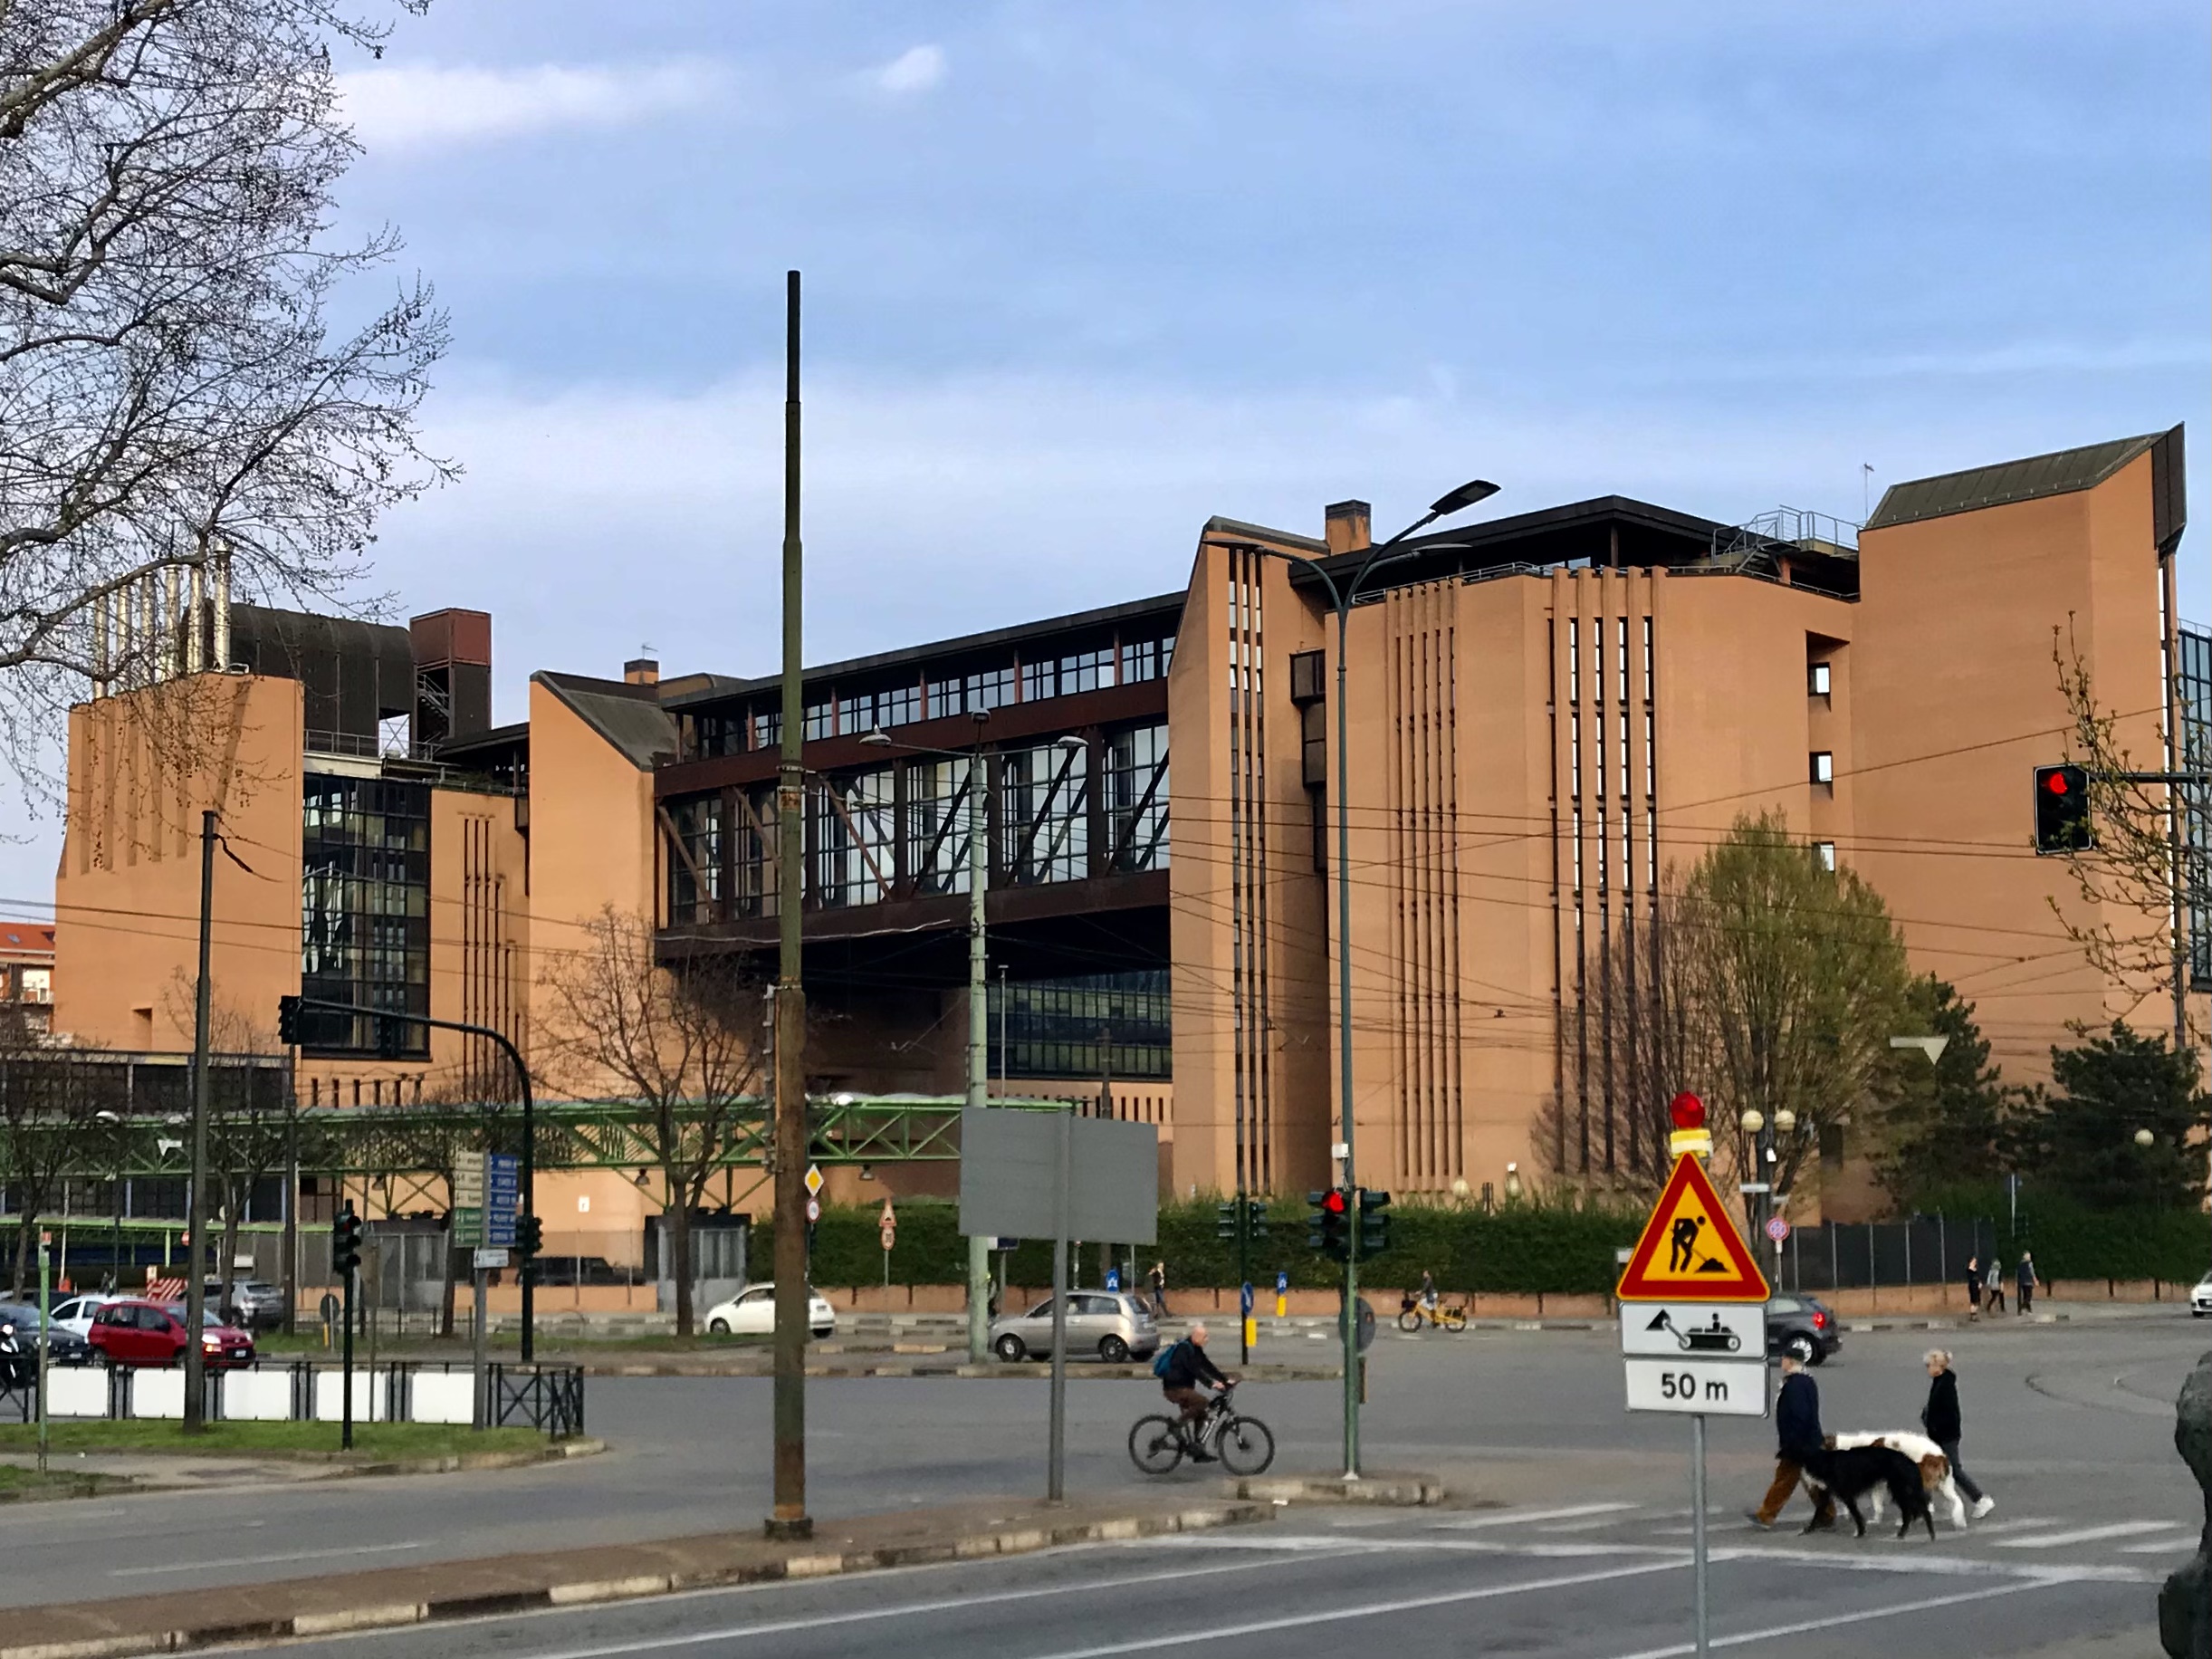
[(442, 1396), (256, 1396), (76, 1391), (367, 1395), (158, 1392)]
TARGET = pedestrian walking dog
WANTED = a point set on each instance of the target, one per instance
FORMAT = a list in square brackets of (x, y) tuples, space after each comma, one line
[(1934, 1467)]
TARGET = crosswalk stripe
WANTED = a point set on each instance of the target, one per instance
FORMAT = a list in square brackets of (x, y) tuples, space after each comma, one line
[(2013, 1524), (2085, 1535), (1514, 1517), (2181, 1540)]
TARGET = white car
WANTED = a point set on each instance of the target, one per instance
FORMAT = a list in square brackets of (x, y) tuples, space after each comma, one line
[(751, 1312), (74, 1314), (2200, 1299)]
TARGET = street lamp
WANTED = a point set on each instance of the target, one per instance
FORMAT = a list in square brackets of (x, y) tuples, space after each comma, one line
[(979, 1012), (1341, 599), (1513, 1181), (2144, 1138)]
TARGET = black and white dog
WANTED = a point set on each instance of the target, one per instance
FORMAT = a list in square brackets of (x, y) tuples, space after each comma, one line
[(1936, 1477), (1850, 1473)]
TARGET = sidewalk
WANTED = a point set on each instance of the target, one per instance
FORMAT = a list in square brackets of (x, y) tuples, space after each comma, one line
[(393, 1596)]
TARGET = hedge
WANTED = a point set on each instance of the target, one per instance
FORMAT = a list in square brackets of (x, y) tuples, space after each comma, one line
[(1541, 1246), (2071, 1241)]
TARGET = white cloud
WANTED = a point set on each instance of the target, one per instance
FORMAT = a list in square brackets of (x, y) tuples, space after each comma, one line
[(421, 106), (915, 70)]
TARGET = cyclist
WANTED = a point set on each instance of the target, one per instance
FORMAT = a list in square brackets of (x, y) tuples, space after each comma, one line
[(1428, 1294), (1187, 1367)]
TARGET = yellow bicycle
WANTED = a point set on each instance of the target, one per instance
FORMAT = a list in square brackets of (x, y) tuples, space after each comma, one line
[(1413, 1314)]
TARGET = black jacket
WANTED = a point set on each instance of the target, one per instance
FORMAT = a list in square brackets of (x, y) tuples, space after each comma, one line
[(1939, 1416), (1186, 1364), (1796, 1416)]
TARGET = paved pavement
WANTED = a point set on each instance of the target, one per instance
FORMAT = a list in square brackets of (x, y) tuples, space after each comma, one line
[(2071, 1428)]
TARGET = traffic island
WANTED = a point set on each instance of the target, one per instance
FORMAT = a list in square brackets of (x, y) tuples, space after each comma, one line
[(1385, 1487), (396, 1596)]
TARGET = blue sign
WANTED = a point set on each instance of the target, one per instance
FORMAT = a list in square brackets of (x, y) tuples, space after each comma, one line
[(1282, 1284), (1113, 1279), (1247, 1298), (503, 1193)]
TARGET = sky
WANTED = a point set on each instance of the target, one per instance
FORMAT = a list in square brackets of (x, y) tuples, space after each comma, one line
[(1078, 277)]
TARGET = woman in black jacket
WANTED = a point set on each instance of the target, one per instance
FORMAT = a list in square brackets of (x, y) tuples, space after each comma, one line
[(1939, 1417)]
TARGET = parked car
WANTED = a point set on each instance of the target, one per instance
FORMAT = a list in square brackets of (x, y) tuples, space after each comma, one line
[(1112, 1324), (63, 1348), (140, 1333), (751, 1312), (251, 1304), (1801, 1326), (74, 1313), (2200, 1299)]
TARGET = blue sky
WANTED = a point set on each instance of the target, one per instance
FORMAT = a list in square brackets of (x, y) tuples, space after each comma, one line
[(1078, 275)]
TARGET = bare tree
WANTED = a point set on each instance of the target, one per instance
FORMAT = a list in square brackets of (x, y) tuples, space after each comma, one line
[(50, 1127), (178, 403), (2142, 866), (677, 1039), (251, 1120)]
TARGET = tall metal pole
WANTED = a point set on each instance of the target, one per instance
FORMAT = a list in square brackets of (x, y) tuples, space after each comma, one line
[(1344, 1052), (790, 1518), (195, 1204), (1063, 1185), (1697, 1529), (979, 1033)]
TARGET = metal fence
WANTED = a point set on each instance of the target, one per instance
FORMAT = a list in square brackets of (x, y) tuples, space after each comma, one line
[(549, 1399), (1924, 1251)]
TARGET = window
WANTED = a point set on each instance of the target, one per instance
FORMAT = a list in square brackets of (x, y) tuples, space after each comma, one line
[(1040, 681), (900, 706), (1824, 854), (991, 688), (713, 734), (365, 907), (821, 720), (1573, 662), (1117, 1025), (695, 872), (856, 714), (1137, 798), (1816, 680), (849, 833), (767, 728), (1146, 660), (1824, 766), (937, 825), (1044, 810)]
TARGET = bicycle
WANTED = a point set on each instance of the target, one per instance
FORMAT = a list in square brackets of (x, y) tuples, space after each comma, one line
[(1413, 1314), (1245, 1445)]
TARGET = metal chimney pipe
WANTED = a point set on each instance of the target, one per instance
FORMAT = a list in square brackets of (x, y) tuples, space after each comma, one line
[(196, 618), (222, 609)]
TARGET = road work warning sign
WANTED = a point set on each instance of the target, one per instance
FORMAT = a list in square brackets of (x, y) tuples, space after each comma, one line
[(1690, 1249)]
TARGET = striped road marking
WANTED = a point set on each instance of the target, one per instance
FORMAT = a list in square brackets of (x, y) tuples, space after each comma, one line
[(2086, 1535), (1514, 1517)]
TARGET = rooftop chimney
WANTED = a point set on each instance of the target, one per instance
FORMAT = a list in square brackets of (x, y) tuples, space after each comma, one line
[(642, 671), (1351, 529)]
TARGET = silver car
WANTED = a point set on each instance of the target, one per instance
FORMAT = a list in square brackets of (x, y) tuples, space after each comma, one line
[(1112, 1324)]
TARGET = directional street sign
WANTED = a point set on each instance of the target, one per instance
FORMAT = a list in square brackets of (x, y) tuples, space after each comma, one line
[(1690, 1249), (1706, 1387), (468, 1199), (1696, 1330), (502, 1189), (488, 1258)]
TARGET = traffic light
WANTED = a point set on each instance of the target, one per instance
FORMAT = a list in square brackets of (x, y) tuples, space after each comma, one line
[(1255, 1218), (2062, 810), (1373, 1225), (529, 1236), (288, 1021), (346, 1242), (1225, 1221), (1328, 1230)]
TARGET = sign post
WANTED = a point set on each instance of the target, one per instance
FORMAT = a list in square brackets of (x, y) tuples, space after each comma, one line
[(46, 1312), (1693, 1319), (888, 1231)]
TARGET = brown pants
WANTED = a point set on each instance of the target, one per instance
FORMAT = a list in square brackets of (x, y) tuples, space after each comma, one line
[(1193, 1401), (1787, 1477)]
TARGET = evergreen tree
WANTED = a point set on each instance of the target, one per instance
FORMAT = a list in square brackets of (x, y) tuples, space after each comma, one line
[(1954, 1120), (2103, 1091)]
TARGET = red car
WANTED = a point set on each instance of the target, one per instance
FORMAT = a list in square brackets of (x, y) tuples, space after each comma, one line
[(140, 1333)]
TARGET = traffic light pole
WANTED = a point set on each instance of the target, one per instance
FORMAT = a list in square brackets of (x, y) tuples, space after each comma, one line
[(1244, 1276), (528, 1271), (345, 1363)]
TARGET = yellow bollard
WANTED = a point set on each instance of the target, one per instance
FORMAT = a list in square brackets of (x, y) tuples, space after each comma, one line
[(1282, 1306), (1251, 1331)]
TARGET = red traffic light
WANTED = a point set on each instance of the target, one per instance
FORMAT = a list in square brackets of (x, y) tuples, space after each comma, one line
[(1336, 1203), (1686, 1110), (2056, 781)]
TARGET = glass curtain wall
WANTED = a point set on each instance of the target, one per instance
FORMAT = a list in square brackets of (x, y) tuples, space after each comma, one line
[(365, 907)]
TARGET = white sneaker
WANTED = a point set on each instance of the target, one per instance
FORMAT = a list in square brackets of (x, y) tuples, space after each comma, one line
[(1982, 1506)]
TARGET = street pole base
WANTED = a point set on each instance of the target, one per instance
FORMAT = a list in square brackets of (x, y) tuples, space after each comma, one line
[(788, 1529)]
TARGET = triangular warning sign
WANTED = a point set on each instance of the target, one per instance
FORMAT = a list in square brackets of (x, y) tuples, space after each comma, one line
[(1690, 1249)]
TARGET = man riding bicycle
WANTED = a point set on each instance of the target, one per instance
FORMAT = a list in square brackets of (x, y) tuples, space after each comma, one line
[(1188, 1367)]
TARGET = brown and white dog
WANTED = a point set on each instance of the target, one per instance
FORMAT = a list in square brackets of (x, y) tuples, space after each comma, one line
[(1935, 1471)]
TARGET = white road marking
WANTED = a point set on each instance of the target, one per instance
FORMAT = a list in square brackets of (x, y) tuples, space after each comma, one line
[(2158, 1545), (260, 1560), (2086, 1535), (952, 1604), (1982, 1528), (1326, 1615), (1514, 1517), (1803, 1626), (1583, 1526)]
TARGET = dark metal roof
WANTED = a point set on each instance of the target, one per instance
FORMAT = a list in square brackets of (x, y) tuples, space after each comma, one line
[(1166, 605), (2061, 473), (628, 716), (495, 737)]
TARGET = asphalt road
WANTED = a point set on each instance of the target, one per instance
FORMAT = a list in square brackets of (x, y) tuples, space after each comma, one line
[(2070, 1427)]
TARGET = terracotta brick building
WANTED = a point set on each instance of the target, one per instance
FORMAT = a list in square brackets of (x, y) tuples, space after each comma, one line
[(1547, 711)]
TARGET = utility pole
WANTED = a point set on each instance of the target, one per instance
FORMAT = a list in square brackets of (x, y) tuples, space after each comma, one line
[(979, 1025), (195, 1204), (790, 1518)]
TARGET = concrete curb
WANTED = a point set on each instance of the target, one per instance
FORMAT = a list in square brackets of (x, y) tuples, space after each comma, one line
[(1263, 1373), (101, 1484), (1383, 1487), (1038, 1533)]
